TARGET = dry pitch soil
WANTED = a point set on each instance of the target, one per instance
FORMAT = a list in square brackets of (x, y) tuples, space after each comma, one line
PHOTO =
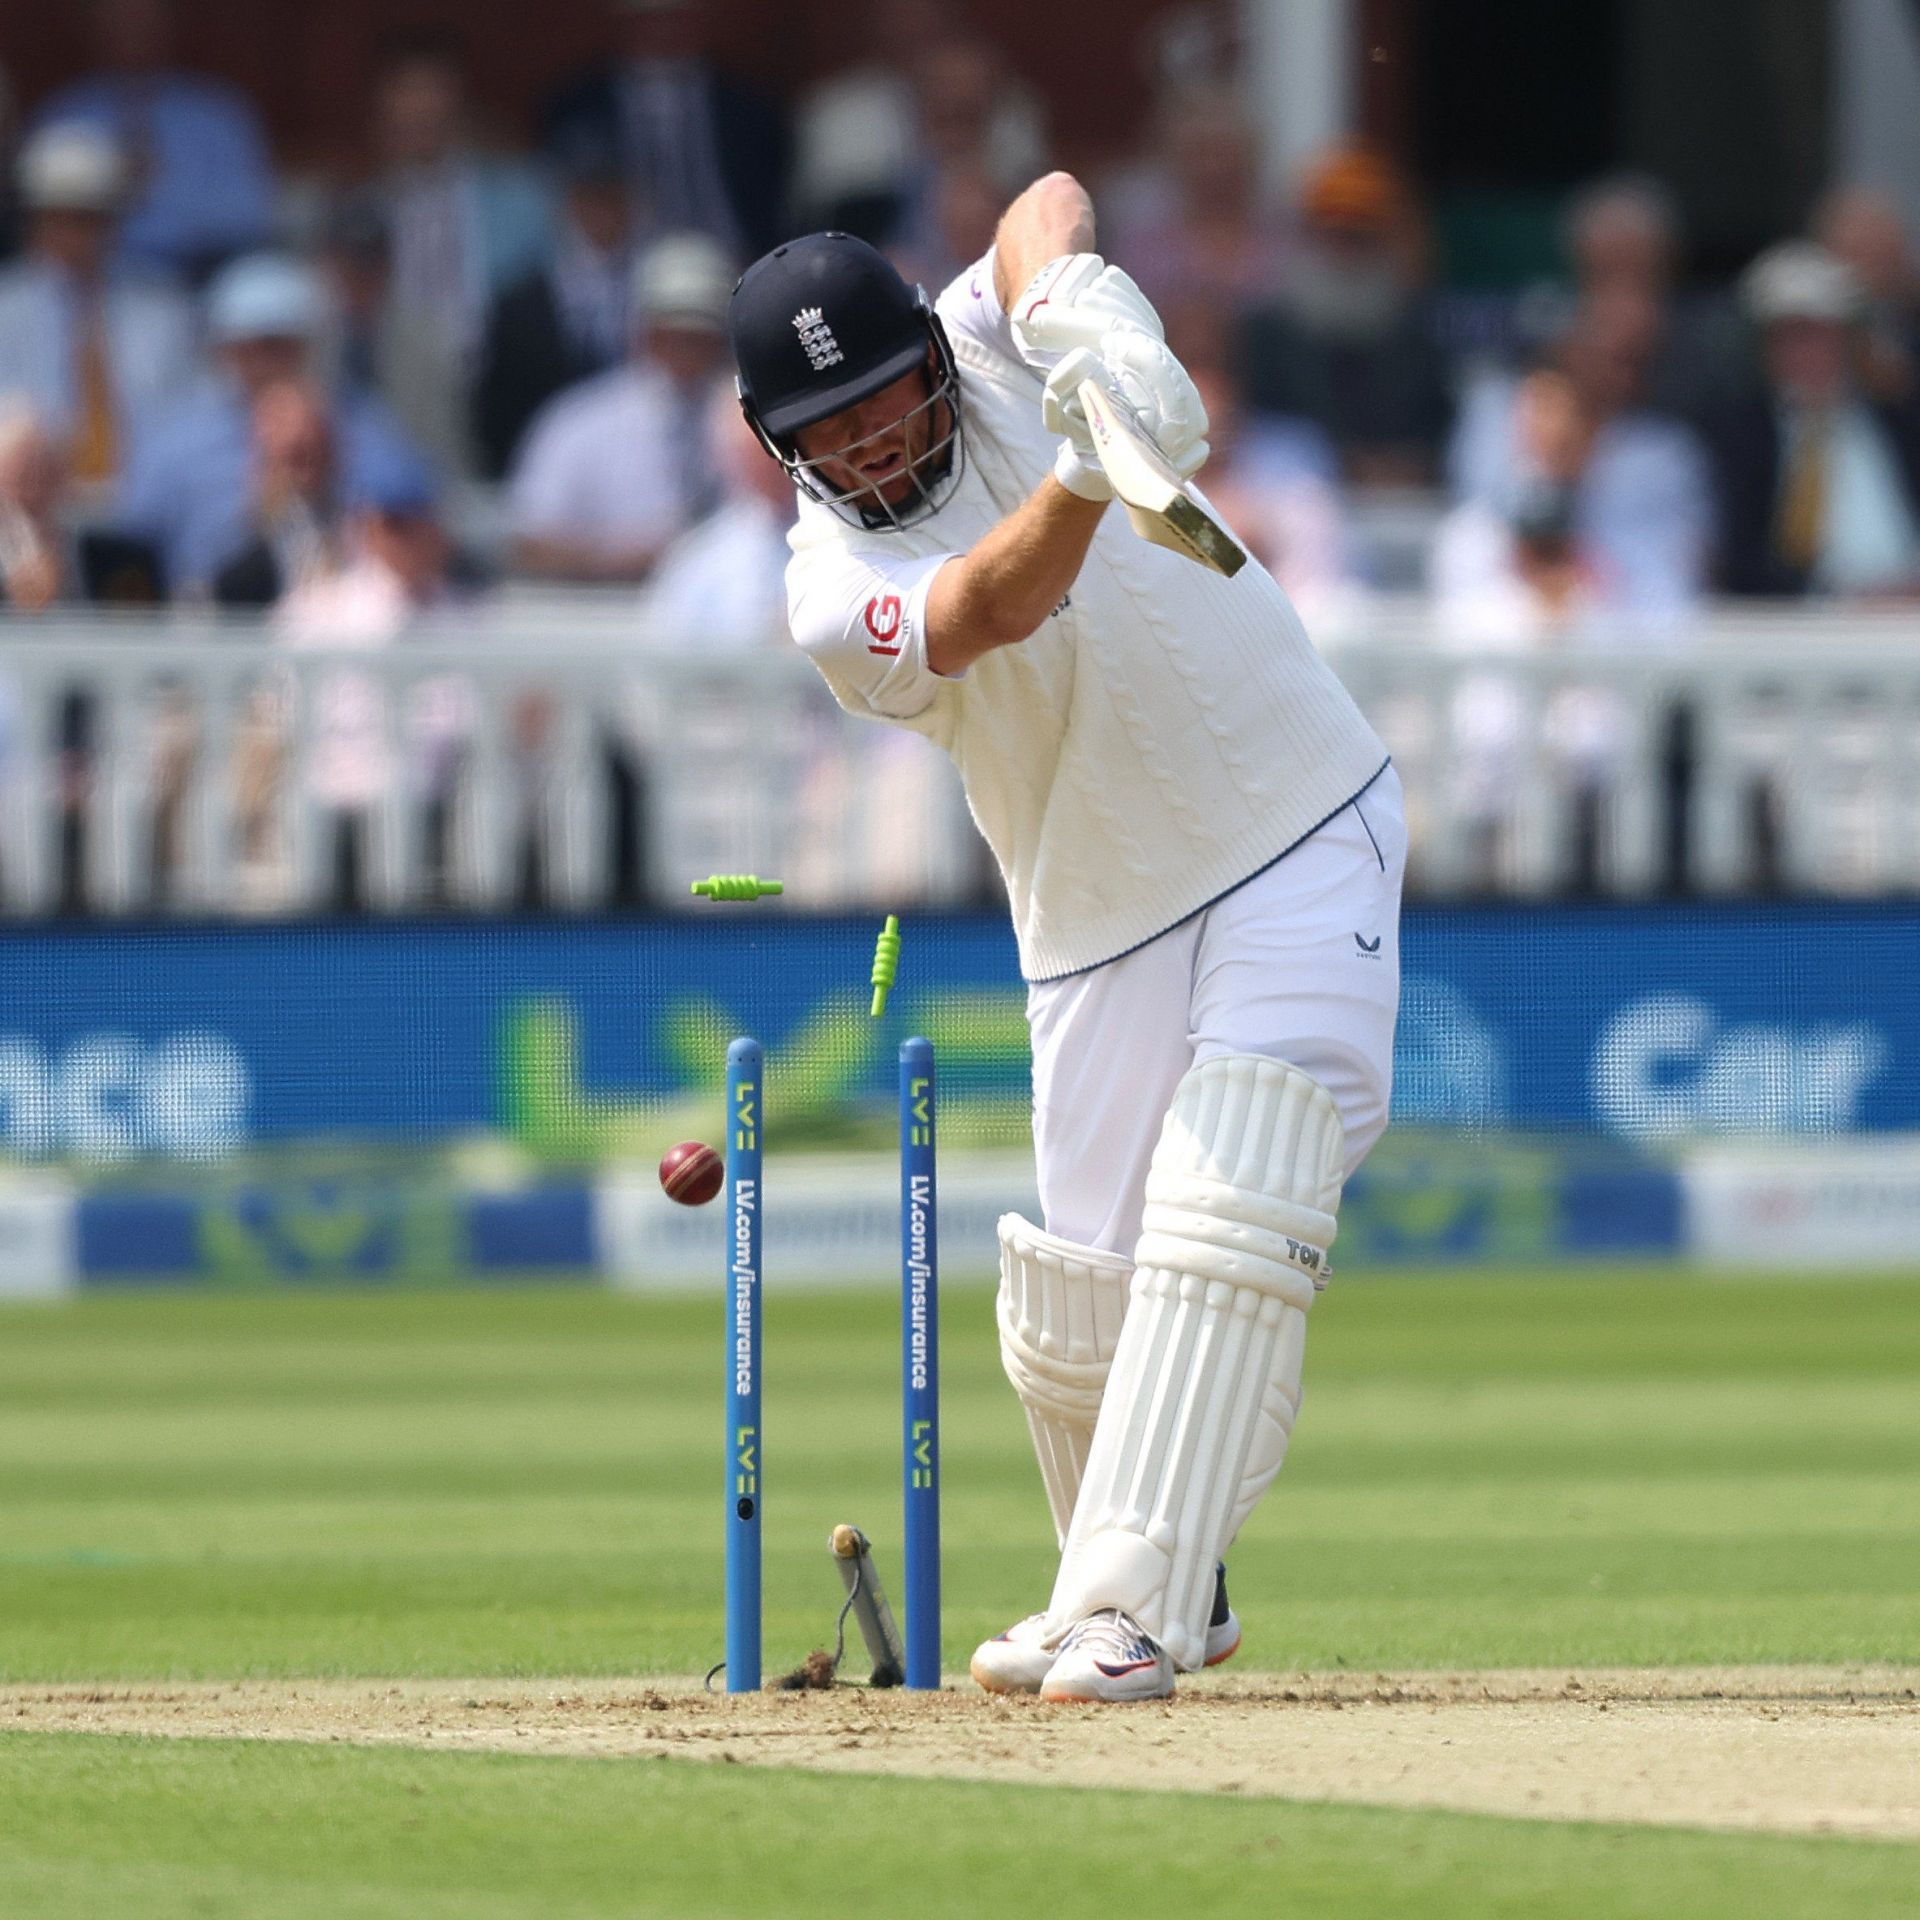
[(1774, 1749)]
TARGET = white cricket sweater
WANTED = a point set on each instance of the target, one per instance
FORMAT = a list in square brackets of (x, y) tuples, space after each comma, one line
[(1163, 736)]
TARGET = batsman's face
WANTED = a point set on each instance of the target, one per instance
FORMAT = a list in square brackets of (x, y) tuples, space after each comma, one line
[(872, 447)]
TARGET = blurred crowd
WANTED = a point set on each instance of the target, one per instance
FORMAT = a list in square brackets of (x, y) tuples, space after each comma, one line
[(354, 404)]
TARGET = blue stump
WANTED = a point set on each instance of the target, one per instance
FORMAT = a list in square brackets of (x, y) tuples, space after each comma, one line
[(920, 1362), (744, 1127)]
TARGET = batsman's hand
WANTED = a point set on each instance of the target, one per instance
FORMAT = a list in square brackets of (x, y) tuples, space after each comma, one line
[(1148, 378), (1077, 467), (1072, 302), (1142, 376)]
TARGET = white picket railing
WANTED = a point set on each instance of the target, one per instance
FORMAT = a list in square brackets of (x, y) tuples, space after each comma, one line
[(483, 746), (1787, 743)]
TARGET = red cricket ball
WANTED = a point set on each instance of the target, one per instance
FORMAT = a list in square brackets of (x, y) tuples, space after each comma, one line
[(691, 1173)]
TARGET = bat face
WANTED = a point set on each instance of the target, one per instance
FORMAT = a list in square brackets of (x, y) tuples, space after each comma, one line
[(1159, 503)]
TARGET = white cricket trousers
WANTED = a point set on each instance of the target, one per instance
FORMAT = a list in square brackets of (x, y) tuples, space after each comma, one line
[(1300, 963)]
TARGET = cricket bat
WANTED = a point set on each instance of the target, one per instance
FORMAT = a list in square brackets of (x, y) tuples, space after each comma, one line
[(1159, 503)]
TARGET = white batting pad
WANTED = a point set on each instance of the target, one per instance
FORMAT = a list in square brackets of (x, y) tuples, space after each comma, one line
[(1060, 1309), (1278, 1409), (1240, 1211)]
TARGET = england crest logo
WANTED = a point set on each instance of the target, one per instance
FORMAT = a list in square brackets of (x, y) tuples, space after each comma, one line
[(823, 350)]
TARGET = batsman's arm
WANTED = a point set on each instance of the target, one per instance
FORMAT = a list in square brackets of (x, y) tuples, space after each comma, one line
[(1052, 217), (998, 593)]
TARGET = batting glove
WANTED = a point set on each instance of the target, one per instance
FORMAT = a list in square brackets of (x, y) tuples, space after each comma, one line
[(1077, 466), (1147, 378), (1071, 302)]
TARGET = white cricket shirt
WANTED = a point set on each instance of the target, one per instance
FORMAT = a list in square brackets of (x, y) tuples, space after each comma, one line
[(1164, 734)]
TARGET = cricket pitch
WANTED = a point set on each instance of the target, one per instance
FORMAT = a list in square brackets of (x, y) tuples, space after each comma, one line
[(1832, 1750)]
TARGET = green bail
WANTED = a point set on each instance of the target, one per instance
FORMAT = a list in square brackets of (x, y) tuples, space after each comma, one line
[(735, 886), (886, 963)]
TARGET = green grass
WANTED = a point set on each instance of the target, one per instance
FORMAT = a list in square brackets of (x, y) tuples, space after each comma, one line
[(1592, 1470), (101, 1827), (1589, 1469)]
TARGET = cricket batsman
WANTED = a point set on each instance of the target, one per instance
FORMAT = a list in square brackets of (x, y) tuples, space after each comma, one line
[(1202, 843)]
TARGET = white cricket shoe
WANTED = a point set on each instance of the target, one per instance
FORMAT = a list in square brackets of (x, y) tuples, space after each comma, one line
[(1107, 1657), (1017, 1661)]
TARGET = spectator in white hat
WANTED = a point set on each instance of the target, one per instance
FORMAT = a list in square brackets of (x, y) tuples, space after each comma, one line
[(201, 179), (94, 350), (614, 468), (188, 484), (1819, 483)]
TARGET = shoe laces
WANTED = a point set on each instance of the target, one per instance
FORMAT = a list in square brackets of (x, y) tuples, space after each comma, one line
[(1114, 1636)]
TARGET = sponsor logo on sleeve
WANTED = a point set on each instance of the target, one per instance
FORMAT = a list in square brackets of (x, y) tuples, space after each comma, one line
[(883, 618)]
